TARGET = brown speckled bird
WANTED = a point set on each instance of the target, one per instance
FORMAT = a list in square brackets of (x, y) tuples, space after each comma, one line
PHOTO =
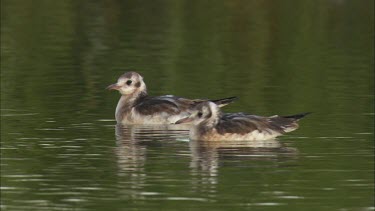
[(137, 107), (210, 124)]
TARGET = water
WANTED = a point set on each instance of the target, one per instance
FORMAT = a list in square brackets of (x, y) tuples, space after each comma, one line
[(61, 148)]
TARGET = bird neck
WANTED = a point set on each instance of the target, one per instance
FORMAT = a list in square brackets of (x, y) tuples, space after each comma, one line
[(126, 103), (210, 123)]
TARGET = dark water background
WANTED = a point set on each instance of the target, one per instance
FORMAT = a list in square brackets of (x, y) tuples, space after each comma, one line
[(60, 149)]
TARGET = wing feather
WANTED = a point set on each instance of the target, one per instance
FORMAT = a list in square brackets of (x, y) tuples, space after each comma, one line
[(242, 123), (167, 104), (154, 105)]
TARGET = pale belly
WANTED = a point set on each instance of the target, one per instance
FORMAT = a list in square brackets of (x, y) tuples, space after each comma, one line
[(213, 135), (159, 118)]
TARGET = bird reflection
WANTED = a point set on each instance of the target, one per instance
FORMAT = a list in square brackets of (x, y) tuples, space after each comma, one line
[(207, 155), (134, 143), (131, 158), (131, 154)]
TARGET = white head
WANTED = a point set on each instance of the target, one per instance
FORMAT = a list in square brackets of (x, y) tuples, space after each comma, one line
[(129, 83), (206, 113)]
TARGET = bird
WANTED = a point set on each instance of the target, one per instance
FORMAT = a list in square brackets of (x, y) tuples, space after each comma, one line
[(137, 107), (210, 124)]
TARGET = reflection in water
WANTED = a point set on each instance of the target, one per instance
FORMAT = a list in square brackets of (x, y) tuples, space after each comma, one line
[(206, 157), (136, 143), (132, 143), (131, 160), (151, 132)]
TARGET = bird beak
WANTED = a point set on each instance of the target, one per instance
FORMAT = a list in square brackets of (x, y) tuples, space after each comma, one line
[(184, 120), (113, 87)]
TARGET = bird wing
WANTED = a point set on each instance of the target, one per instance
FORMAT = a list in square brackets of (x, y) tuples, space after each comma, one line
[(242, 123), (173, 105), (168, 104), (224, 101)]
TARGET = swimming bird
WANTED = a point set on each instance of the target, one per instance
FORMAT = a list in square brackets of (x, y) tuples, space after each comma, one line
[(137, 107), (210, 124)]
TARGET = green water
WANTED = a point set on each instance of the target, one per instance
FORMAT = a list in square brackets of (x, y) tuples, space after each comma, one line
[(61, 150)]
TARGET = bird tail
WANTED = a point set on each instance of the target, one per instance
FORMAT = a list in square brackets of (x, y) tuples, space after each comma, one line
[(224, 101), (287, 123)]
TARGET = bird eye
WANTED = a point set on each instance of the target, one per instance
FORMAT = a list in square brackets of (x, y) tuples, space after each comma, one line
[(200, 114), (128, 82)]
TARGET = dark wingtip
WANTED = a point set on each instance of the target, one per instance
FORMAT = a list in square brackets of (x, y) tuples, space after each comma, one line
[(225, 101), (298, 116), (232, 98)]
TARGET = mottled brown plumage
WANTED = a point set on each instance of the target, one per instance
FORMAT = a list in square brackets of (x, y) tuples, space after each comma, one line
[(211, 124), (137, 107)]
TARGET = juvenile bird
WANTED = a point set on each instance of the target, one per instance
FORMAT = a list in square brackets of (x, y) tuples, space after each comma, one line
[(137, 107), (211, 124)]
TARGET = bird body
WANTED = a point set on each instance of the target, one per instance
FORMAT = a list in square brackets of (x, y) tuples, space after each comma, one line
[(137, 107), (210, 124)]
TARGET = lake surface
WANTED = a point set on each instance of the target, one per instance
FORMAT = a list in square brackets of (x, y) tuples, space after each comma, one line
[(61, 148)]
